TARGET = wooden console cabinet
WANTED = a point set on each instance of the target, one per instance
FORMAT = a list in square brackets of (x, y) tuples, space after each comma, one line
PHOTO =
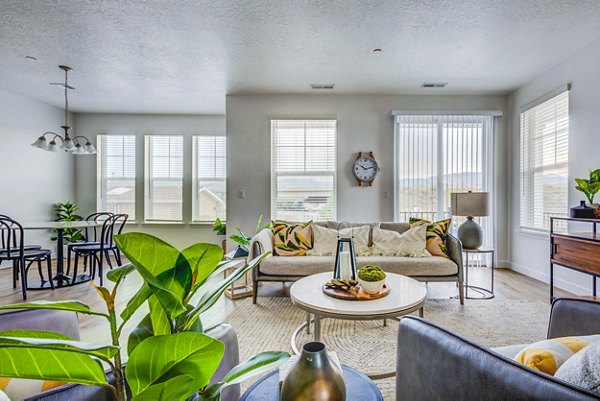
[(578, 251)]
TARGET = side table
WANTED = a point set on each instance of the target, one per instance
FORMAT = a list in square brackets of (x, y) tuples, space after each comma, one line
[(241, 288), (484, 292), (358, 387)]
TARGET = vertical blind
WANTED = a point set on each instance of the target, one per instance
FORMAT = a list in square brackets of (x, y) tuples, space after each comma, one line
[(303, 176), (437, 155), (544, 162), (115, 184), (163, 178), (209, 172)]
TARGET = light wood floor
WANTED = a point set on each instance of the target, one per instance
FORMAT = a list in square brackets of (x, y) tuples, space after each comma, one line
[(508, 285)]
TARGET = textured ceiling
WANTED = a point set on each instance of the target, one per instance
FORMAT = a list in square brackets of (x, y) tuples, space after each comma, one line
[(177, 56)]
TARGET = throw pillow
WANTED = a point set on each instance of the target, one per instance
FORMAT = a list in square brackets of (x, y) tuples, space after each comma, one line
[(548, 355), (437, 233), (18, 389), (392, 243), (325, 240), (3, 396), (292, 239), (583, 369)]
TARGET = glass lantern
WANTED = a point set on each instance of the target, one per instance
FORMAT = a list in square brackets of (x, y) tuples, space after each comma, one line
[(345, 260)]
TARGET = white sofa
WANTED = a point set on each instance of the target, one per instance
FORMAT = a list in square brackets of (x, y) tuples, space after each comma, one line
[(292, 268)]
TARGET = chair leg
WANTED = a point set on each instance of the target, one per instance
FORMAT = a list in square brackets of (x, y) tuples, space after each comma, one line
[(254, 291), (107, 256), (461, 292), (23, 278), (68, 260), (39, 266), (49, 264), (14, 269), (101, 268), (75, 266), (118, 256)]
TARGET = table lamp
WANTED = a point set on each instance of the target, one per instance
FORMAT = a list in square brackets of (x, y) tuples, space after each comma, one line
[(470, 204)]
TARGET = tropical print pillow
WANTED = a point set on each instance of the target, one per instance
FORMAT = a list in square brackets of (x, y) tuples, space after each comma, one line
[(437, 233), (292, 239)]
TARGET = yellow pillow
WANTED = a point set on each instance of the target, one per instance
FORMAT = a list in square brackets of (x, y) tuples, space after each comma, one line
[(18, 389), (548, 355)]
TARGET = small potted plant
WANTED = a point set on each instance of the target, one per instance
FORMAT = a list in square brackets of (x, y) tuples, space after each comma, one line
[(371, 279), (589, 187)]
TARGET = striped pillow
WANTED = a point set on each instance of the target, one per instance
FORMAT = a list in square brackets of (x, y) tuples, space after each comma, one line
[(18, 389), (548, 355)]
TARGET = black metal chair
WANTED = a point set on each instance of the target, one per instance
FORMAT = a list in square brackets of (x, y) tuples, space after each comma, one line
[(97, 253), (91, 235), (2, 242), (14, 238)]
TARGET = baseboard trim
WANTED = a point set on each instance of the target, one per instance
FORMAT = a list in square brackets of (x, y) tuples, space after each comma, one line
[(545, 277)]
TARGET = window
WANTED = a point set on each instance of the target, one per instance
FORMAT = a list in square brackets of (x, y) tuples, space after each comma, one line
[(209, 167), (163, 183), (303, 185), (116, 174), (437, 155), (544, 162)]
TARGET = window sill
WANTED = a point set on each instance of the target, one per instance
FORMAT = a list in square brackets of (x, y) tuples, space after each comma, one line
[(162, 223), (533, 233)]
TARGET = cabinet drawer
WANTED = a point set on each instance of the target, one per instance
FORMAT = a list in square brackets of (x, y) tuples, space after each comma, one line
[(580, 254)]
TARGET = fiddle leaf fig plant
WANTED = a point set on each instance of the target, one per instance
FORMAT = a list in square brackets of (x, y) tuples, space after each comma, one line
[(170, 356), (590, 186)]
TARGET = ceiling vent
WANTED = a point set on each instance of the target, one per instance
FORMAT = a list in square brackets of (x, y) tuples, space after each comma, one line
[(322, 86), (434, 84)]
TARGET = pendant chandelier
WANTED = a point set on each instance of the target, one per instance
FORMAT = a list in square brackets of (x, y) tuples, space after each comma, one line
[(77, 145)]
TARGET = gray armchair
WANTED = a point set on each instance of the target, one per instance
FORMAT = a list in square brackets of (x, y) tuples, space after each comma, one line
[(436, 364)]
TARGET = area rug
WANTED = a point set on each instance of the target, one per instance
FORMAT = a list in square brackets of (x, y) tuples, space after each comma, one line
[(369, 346)]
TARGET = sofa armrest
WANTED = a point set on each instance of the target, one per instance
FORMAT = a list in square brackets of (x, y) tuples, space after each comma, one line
[(437, 365), (455, 252), (574, 317), (226, 334), (259, 244)]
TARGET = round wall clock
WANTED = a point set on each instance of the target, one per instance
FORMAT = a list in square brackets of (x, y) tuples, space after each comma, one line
[(365, 168)]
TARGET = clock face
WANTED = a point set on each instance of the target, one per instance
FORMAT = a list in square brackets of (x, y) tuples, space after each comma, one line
[(365, 169)]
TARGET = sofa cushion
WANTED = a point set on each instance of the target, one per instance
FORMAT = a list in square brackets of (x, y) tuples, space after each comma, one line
[(325, 240), (437, 233), (398, 227), (294, 239), (392, 243), (307, 265), (583, 369)]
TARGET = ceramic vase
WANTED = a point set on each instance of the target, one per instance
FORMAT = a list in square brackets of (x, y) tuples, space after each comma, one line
[(314, 377)]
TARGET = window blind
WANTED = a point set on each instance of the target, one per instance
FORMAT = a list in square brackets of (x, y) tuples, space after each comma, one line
[(303, 170), (115, 184), (544, 166), (209, 172), (436, 155), (163, 178)]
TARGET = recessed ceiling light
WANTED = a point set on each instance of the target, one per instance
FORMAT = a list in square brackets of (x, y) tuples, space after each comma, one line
[(31, 58), (322, 86), (377, 50)]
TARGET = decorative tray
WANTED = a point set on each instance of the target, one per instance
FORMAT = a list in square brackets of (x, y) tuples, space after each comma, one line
[(355, 293)]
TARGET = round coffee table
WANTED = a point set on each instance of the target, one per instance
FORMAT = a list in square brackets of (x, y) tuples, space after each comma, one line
[(358, 388), (406, 295)]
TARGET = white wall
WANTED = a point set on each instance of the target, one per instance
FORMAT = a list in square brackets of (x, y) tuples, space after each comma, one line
[(89, 124), (32, 180), (531, 253), (364, 124)]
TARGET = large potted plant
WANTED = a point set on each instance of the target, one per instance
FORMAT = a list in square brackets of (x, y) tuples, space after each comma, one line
[(67, 211), (170, 357)]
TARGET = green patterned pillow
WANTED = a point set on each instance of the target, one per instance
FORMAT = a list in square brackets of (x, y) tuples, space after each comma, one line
[(292, 239), (437, 233)]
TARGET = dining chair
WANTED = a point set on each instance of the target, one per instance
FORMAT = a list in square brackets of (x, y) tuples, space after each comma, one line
[(97, 253), (91, 237), (2, 242), (13, 237)]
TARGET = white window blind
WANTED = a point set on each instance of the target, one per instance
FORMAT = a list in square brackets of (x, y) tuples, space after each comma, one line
[(163, 178), (303, 172), (115, 185), (544, 162), (209, 172), (437, 155)]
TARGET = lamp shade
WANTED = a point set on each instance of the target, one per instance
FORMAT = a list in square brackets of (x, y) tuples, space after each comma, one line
[(40, 143), (470, 203)]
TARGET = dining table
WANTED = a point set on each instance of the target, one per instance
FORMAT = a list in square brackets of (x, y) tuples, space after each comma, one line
[(61, 279)]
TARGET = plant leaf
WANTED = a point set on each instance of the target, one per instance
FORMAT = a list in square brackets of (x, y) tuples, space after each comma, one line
[(141, 332), (161, 323), (221, 268), (49, 364), (175, 389), (161, 358), (136, 301), (119, 273), (254, 366), (203, 259), (72, 306)]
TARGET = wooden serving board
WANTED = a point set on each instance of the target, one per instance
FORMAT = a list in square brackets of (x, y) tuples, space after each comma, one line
[(356, 293)]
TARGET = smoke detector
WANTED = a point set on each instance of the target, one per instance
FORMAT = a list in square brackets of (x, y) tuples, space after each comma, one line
[(322, 86), (434, 84)]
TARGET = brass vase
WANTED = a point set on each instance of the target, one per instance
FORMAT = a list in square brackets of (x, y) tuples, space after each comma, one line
[(314, 377)]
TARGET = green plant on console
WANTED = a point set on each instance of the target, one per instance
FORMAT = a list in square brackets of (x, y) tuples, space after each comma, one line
[(243, 239), (170, 357), (589, 187), (67, 211), (371, 273), (219, 227)]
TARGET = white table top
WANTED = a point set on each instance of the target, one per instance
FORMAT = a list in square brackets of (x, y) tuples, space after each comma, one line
[(405, 294), (51, 225)]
